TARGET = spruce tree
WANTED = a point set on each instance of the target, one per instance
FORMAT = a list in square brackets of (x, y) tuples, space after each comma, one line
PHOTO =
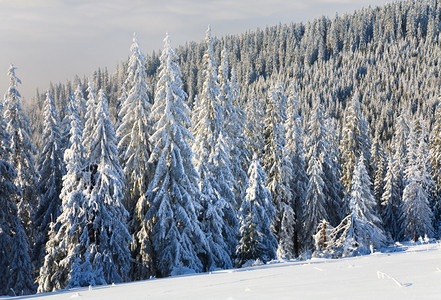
[(256, 214), (391, 203), (209, 109), (319, 145), (168, 214), (90, 118), (15, 261), (366, 227), (81, 102), (66, 257), (134, 130), (22, 154), (234, 126), (354, 142), (296, 153), (279, 171), (107, 217), (212, 145), (315, 201), (219, 219), (417, 214), (51, 169)]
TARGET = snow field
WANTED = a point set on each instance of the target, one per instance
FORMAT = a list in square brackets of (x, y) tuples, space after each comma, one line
[(403, 272)]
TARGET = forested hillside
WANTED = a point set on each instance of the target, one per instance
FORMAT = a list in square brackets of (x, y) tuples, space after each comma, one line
[(319, 138)]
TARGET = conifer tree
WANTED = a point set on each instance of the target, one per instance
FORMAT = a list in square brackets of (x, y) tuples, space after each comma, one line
[(279, 171), (65, 124), (219, 219), (22, 154), (14, 247), (354, 142), (134, 130), (255, 114), (319, 146), (256, 215), (168, 214), (399, 142), (20, 280), (296, 153), (209, 108), (213, 153), (67, 263), (81, 102), (90, 118), (108, 232), (366, 227), (416, 210), (315, 201), (51, 170), (234, 125), (391, 203)]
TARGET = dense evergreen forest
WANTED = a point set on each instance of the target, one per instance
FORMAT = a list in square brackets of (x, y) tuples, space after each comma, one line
[(309, 139)]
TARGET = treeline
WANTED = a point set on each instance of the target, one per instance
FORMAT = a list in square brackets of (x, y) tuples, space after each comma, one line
[(305, 139)]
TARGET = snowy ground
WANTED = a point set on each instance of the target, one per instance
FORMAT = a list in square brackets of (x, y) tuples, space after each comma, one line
[(403, 272)]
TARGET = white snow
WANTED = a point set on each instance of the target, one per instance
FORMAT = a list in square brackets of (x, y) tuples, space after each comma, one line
[(409, 271)]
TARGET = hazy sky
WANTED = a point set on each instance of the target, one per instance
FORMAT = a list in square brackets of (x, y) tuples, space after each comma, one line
[(53, 40)]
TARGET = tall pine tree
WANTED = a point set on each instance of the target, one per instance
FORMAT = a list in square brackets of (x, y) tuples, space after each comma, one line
[(296, 153), (22, 154), (279, 171), (51, 170), (107, 217), (416, 209), (168, 215), (134, 130), (256, 214), (15, 261), (67, 263)]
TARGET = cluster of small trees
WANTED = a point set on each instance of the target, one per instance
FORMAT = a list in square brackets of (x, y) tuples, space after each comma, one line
[(153, 182)]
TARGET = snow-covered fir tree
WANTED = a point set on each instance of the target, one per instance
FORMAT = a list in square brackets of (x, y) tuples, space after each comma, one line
[(15, 261), (66, 263), (106, 215), (366, 227), (22, 154), (278, 168), (90, 118), (81, 102), (399, 142), (51, 169), (212, 149), (234, 126), (256, 214), (20, 280), (209, 110), (168, 214), (219, 219), (319, 145), (417, 214), (315, 201), (65, 124), (354, 142), (391, 203), (255, 116), (135, 127), (296, 153)]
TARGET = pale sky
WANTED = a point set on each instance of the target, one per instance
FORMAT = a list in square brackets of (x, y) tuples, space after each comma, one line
[(53, 40)]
